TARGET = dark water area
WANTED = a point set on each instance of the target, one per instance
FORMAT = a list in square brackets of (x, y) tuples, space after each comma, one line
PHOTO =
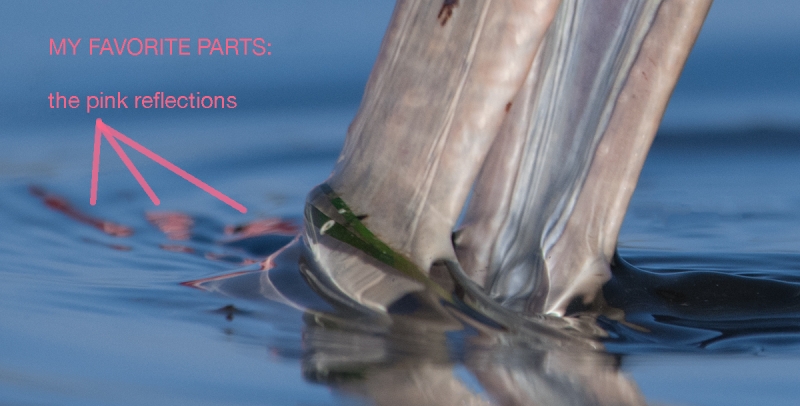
[(704, 307), (730, 263)]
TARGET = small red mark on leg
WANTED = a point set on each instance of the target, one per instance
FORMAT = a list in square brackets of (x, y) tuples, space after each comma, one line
[(446, 11)]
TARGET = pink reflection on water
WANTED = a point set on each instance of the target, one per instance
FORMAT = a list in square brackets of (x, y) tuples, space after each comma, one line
[(267, 226), (177, 226), (60, 204)]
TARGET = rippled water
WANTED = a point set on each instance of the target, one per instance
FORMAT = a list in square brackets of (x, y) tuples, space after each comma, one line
[(92, 309)]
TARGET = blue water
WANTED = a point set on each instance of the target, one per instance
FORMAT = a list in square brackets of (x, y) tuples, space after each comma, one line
[(91, 318)]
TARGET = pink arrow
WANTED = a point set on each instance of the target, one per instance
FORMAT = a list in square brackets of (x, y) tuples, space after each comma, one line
[(112, 135)]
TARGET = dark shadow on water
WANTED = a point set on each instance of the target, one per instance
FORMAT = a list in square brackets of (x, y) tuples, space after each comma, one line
[(689, 310)]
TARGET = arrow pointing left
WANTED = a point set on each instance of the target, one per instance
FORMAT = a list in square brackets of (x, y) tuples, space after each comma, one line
[(102, 129)]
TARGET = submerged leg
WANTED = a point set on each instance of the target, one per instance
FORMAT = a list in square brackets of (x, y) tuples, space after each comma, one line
[(542, 224), (433, 104), (558, 116)]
